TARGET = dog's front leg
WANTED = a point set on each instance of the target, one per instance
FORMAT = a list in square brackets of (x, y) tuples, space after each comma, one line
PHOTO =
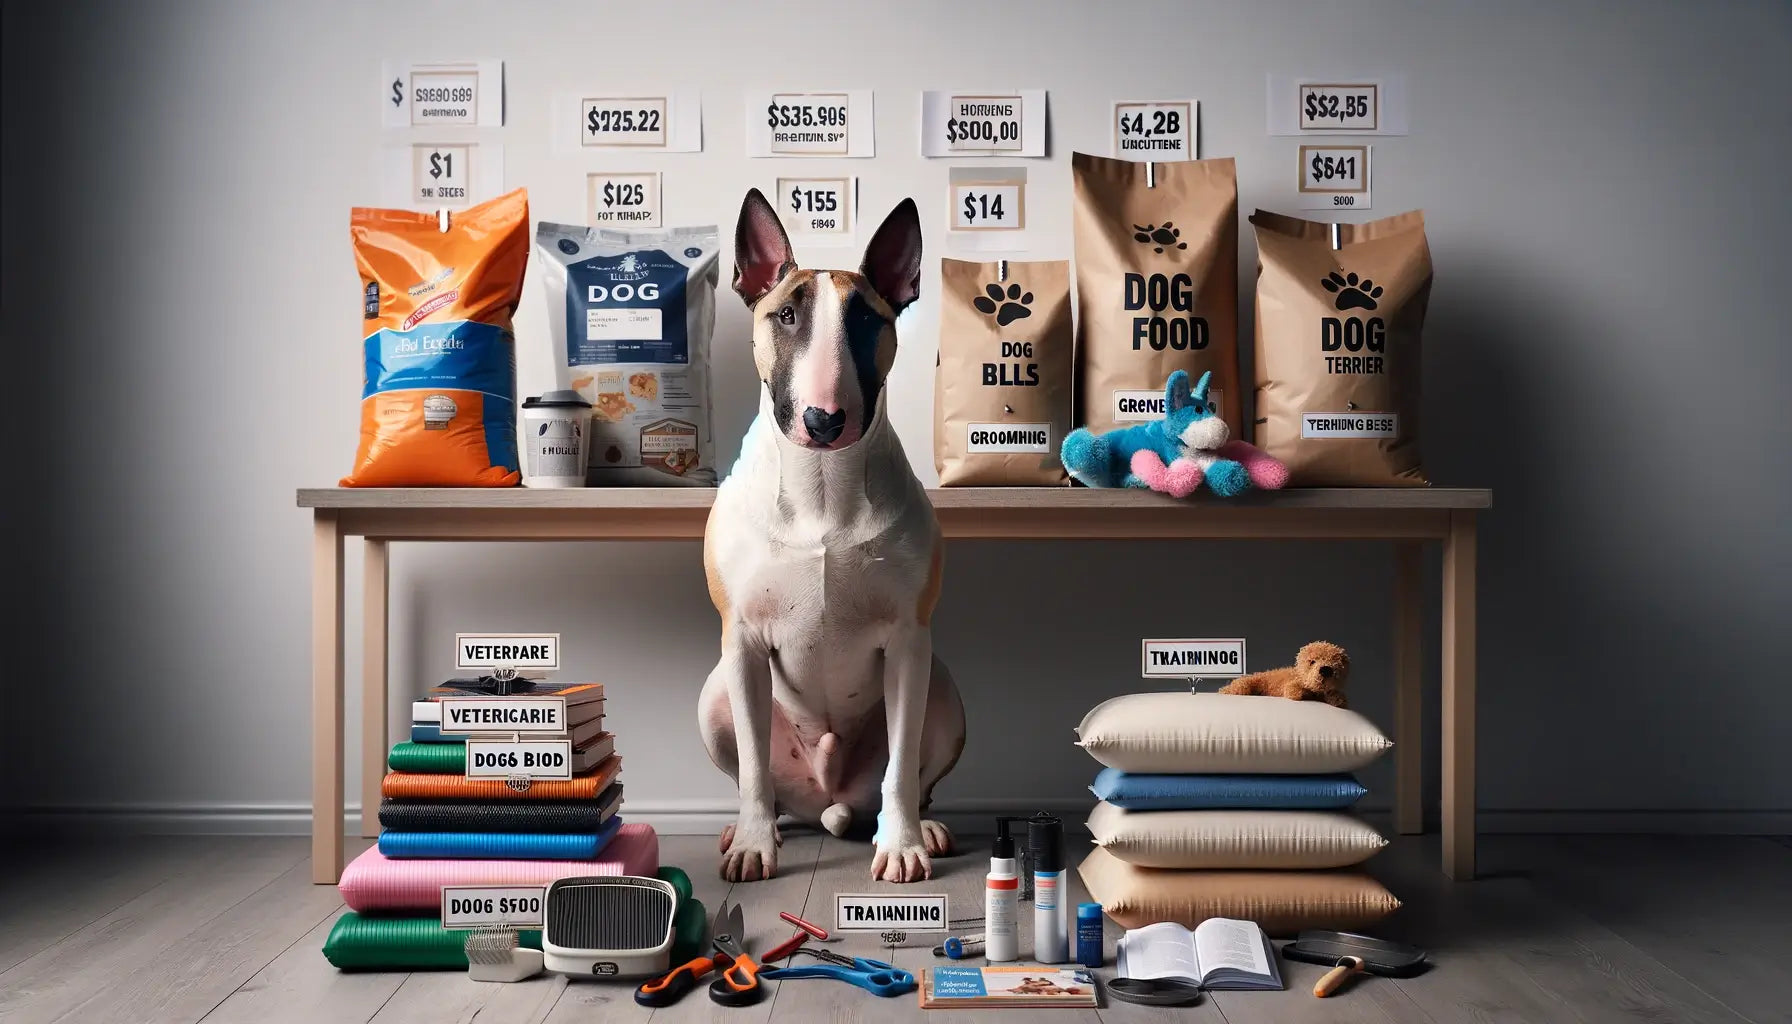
[(901, 848), (750, 846)]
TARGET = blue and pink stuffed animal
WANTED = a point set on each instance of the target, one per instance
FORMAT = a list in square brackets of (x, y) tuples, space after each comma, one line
[(1174, 454)]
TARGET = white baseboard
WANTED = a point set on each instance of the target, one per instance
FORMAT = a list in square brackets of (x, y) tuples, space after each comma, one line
[(971, 817)]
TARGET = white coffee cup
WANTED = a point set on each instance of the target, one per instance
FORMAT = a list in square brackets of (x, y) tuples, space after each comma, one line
[(556, 439)]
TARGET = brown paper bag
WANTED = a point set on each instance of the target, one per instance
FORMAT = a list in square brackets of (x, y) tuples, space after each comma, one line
[(1337, 348), (1156, 285), (1002, 384)]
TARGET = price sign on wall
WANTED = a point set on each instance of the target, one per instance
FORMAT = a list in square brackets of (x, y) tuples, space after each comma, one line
[(989, 203), (1334, 177), (444, 92), (818, 207), (440, 176), (611, 118), (623, 200), (631, 121), (822, 123), (1356, 104), (1352, 106), (996, 122), (1155, 131)]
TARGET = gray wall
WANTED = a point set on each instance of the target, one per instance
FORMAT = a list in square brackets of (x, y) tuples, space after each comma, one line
[(1606, 186)]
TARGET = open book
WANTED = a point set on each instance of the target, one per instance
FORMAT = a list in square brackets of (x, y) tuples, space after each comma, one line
[(1219, 954)]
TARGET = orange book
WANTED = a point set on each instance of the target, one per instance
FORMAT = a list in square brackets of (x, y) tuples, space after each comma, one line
[(418, 786)]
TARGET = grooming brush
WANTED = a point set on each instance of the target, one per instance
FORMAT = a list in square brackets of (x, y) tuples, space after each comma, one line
[(494, 955)]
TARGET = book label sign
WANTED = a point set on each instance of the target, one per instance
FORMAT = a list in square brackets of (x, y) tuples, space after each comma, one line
[(880, 912), (492, 906), (519, 651), (465, 715), (1191, 659), (506, 759)]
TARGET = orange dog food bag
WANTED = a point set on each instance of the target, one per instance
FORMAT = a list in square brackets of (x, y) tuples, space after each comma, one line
[(438, 403)]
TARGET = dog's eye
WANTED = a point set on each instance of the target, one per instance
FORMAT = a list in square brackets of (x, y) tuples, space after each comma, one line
[(787, 315)]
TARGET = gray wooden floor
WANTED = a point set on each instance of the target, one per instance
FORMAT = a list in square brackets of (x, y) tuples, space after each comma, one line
[(1564, 929)]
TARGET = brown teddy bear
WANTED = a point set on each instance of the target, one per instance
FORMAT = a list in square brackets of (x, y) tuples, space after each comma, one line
[(1318, 673)]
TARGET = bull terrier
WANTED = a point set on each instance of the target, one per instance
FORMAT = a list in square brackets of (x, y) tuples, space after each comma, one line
[(823, 557)]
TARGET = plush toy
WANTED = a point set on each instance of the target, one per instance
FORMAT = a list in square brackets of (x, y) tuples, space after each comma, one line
[(1174, 454), (1318, 673)]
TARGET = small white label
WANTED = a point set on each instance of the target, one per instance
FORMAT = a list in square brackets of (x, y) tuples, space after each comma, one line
[(1145, 406), (836, 123), (1190, 659), (442, 92), (623, 325), (625, 201), (1347, 106), (996, 122), (506, 650), (441, 175), (877, 912), (493, 906), (630, 121), (1351, 104), (535, 759), (989, 206), (819, 207), (1349, 424), (1334, 177), (1008, 438), (1155, 131), (468, 715)]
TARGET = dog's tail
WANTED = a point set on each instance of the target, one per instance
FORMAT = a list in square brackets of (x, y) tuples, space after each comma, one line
[(838, 817)]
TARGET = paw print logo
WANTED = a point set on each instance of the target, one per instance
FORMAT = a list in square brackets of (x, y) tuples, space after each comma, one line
[(1159, 238), (1006, 306), (1352, 294)]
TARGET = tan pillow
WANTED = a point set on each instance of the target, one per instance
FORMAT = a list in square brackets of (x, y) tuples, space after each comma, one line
[(1283, 902), (1180, 733), (1233, 839)]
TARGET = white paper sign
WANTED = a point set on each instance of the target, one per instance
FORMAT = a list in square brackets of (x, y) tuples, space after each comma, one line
[(627, 201), (1190, 659), (987, 198), (1156, 131), (506, 650), (1334, 177), (535, 759), (493, 906), (599, 120), (1337, 104), (818, 208), (463, 716), (423, 94), (880, 912), (1146, 405), (441, 175), (819, 123), (1323, 425), (983, 122), (1009, 438)]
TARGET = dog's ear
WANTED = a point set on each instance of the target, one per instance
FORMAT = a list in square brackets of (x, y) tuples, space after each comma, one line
[(893, 259), (762, 253), (1176, 394)]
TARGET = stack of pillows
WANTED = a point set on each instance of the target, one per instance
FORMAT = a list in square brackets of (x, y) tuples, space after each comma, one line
[(1215, 805)]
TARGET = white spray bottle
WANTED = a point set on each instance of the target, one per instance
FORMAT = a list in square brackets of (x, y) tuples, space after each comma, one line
[(1001, 899), (1051, 921)]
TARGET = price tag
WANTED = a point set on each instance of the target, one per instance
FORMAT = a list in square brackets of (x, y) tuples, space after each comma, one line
[(1164, 130), (623, 200), (441, 176), (1337, 105), (493, 906), (475, 651), (415, 94), (623, 121), (989, 206), (1191, 659), (535, 759), (820, 207), (1334, 177), (1144, 406), (809, 123), (993, 123)]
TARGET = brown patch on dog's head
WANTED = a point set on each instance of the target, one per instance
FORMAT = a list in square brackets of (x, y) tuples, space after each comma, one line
[(1322, 667)]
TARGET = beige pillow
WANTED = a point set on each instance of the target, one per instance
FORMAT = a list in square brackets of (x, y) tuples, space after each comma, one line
[(1179, 733), (1283, 902), (1233, 839)]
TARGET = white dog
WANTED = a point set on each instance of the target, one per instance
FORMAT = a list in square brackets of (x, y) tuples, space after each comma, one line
[(823, 557)]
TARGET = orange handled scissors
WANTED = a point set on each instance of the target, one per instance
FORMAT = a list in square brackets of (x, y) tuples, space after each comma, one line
[(739, 983), (670, 987)]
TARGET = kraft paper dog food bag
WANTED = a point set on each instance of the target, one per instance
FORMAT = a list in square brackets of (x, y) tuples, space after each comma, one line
[(631, 316), (438, 402), (1156, 285), (1337, 348), (1002, 393)]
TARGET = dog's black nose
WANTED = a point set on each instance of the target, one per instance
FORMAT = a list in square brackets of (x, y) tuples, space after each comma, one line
[(823, 427), (1325, 671)]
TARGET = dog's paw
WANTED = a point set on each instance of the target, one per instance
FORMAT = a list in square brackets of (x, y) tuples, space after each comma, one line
[(750, 852), (936, 837), (902, 862)]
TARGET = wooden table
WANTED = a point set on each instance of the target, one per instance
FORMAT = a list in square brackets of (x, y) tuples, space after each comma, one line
[(1408, 517)]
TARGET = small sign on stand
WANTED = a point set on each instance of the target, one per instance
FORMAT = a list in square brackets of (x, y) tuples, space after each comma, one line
[(1196, 660)]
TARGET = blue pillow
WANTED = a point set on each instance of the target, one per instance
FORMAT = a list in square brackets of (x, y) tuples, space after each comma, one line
[(1233, 792)]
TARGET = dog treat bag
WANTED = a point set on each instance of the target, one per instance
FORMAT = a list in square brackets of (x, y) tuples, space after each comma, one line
[(1337, 348), (631, 315), (1156, 285), (1002, 386), (438, 402)]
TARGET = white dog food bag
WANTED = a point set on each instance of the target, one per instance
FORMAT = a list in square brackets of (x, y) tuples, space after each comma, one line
[(631, 314)]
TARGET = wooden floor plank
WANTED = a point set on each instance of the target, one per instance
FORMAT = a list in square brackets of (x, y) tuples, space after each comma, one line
[(59, 888), (300, 987)]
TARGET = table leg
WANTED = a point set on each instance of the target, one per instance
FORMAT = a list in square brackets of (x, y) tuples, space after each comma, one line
[(1459, 698), (326, 697), (374, 737), (1409, 717)]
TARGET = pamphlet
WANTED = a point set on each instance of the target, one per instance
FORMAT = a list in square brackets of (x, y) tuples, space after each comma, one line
[(1006, 986)]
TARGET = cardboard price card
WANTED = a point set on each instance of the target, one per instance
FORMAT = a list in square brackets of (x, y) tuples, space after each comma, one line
[(1334, 177), (627, 201), (996, 122), (818, 208), (1337, 104), (821, 123), (632, 120), (425, 93), (1156, 131)]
